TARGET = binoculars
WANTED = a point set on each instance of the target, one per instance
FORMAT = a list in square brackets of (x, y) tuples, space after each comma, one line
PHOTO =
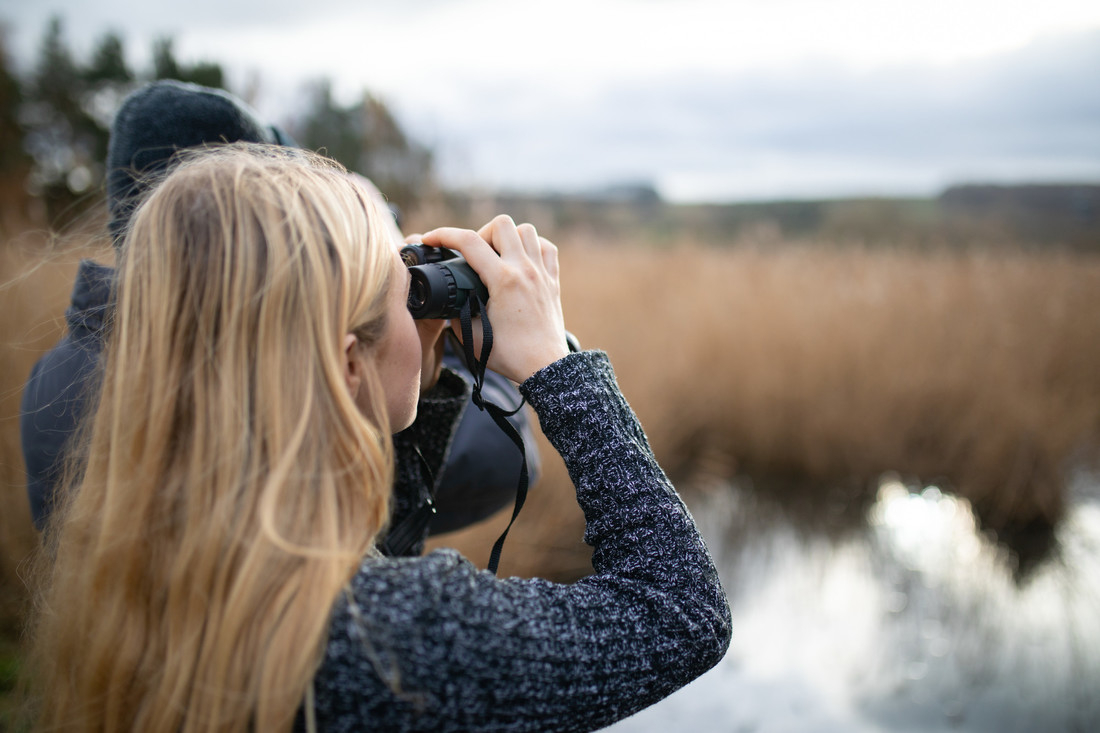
[(442, 282)]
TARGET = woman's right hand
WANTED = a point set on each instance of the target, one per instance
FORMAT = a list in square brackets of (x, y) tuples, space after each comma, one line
[(520, 270)]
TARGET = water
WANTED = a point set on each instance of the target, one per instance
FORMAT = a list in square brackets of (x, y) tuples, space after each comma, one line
[(914, 624)]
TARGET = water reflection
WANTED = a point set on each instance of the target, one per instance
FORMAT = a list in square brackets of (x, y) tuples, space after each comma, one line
[(914, 623)]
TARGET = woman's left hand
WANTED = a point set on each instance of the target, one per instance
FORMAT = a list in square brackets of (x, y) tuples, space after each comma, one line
[(520, 270)]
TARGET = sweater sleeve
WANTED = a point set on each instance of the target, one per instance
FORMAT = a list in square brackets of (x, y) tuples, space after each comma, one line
[(434, 644)]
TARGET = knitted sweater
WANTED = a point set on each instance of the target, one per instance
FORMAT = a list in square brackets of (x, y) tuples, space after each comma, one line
[(434, 644)]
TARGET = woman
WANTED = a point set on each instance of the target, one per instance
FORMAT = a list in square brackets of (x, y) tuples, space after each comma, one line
[(214, 568)]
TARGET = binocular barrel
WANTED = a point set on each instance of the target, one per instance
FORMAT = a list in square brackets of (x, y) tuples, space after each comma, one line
[(442, 282)]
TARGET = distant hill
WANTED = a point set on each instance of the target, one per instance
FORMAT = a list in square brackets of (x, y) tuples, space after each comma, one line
[(1029, 216), (1068, 213)]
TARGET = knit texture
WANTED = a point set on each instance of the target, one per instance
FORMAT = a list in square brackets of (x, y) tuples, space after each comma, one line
[(434, 644)]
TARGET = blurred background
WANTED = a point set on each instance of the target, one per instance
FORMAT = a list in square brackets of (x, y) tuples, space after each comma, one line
[(845, 258)]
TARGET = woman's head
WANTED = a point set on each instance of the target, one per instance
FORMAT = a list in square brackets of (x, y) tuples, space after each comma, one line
[(242, 277), (239, 461), (256, 251)]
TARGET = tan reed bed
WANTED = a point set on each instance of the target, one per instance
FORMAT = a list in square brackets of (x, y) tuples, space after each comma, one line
[(822, 366), (980, 370), (814, 370), (36, 276)]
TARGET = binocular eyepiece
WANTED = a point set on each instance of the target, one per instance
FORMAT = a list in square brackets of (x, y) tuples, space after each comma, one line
[(442, 282)]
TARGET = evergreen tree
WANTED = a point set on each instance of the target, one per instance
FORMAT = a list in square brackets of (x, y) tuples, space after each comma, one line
[(61, 136), (107, 79), (14, 163), (164, 61), (68, 109), (108, 62), (328, 127), (366, 138), (13, 159), (401, 166), (165, 66)]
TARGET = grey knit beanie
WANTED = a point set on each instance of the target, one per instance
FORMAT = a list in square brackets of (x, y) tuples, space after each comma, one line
[(161, 118)]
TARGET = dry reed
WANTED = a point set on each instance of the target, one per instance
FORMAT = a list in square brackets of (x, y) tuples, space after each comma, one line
[(36, 276), (811, 371), (824, 365), (834, 365)]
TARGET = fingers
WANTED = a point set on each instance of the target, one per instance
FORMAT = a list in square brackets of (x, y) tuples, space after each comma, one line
[(509, 239), (550, 257), (470, 245), (502, 237), (532, 244)]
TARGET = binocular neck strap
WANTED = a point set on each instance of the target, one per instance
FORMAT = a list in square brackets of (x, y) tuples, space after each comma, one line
[(499, 414), (402, 537)]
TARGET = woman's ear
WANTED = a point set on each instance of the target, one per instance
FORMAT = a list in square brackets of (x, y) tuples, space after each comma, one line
[(353, 365)]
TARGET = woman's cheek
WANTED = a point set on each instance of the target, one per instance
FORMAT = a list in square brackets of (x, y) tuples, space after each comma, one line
[(431, 351)]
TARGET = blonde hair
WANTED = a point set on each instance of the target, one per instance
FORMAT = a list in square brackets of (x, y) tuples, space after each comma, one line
[(230, 486)]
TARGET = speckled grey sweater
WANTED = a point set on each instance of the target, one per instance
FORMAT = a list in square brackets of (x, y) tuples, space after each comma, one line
[(433, 644)]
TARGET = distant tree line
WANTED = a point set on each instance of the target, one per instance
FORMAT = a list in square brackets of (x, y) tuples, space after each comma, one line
[(55, 120)]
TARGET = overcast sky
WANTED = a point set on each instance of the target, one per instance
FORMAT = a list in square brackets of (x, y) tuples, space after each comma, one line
[(707, 100)]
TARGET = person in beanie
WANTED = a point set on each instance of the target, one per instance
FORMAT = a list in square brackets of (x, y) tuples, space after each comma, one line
[(153, 124)]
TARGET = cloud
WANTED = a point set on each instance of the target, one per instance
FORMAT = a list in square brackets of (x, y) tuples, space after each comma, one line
[(1030, 114), (705, 99)]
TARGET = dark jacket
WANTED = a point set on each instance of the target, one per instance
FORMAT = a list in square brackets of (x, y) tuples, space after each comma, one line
[(479, 476), (57, 389)]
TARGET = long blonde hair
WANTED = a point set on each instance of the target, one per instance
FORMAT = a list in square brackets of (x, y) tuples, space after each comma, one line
[(229, 485)]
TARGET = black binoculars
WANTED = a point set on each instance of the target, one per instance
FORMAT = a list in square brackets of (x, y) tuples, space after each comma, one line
[(442, 282)]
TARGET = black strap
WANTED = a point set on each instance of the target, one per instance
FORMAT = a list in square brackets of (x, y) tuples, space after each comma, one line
[(401, 538), (410, 530), (499, 414)]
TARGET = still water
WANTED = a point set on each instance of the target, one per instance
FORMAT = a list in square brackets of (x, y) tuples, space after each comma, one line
[(914, 623)]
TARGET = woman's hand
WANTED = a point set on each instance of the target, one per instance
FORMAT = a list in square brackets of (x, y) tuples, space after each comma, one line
[(520, 270)]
